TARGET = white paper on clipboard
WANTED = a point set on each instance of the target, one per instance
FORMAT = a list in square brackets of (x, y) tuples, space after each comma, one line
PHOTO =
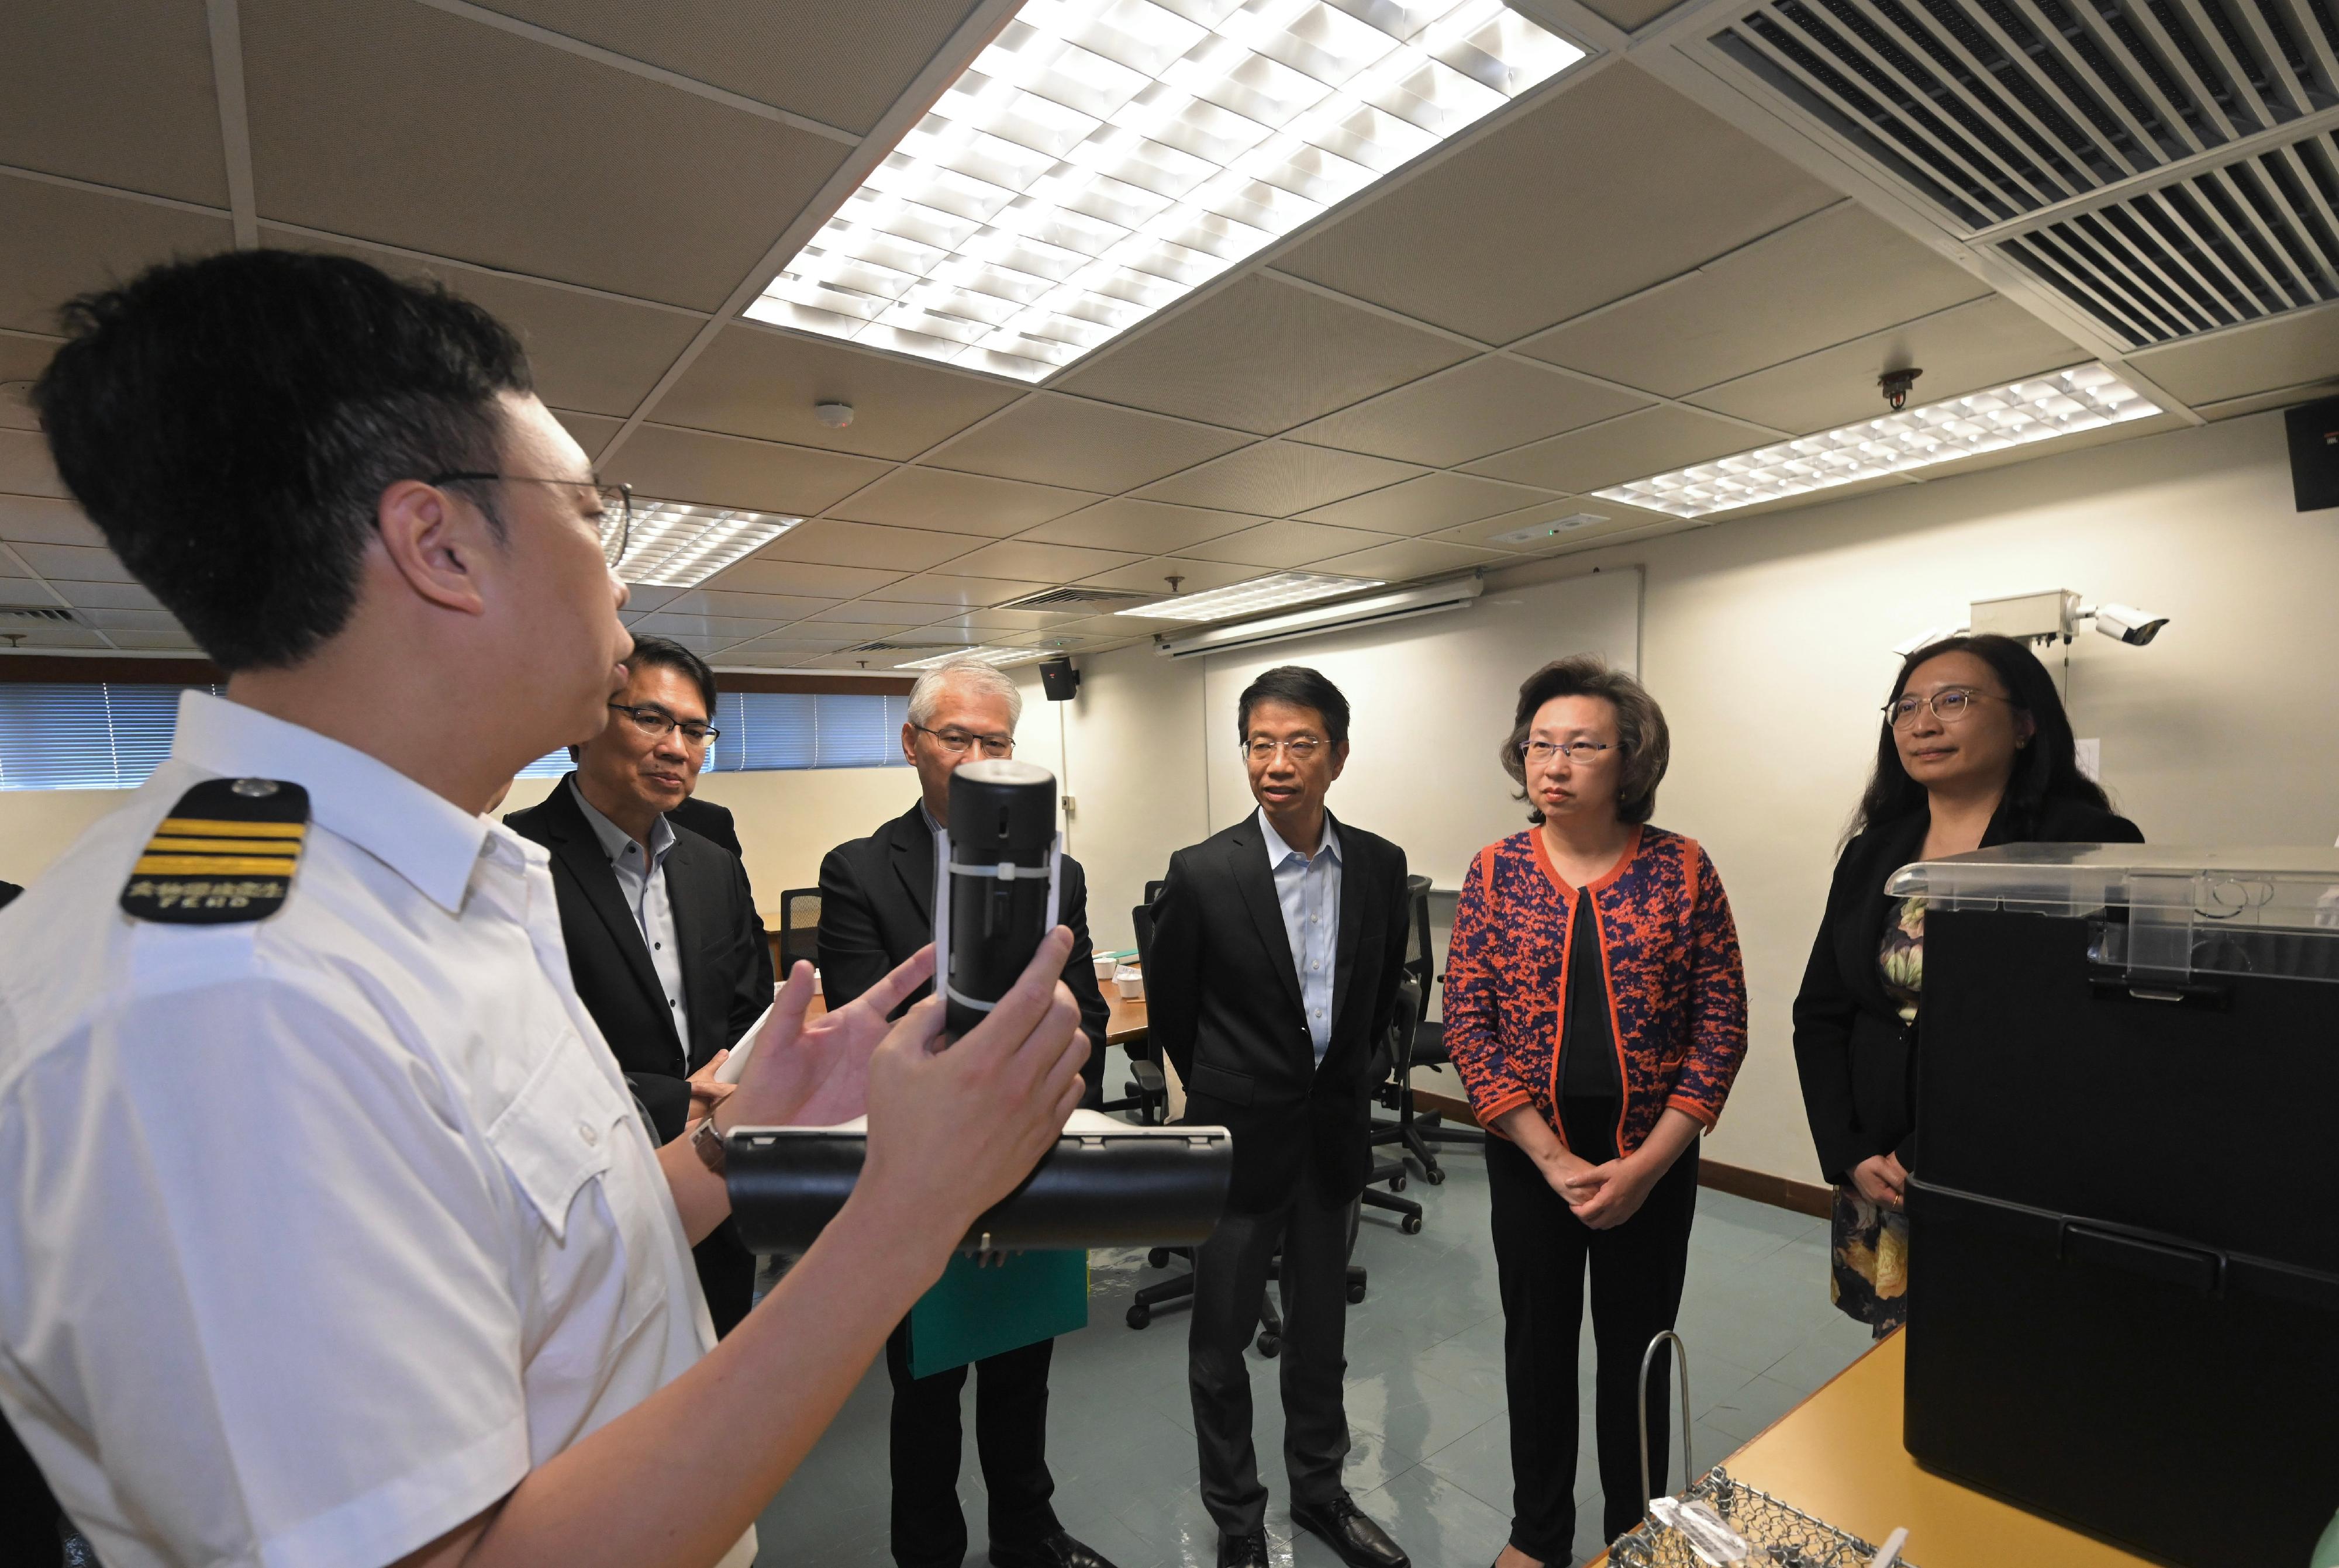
[(736, 1063)]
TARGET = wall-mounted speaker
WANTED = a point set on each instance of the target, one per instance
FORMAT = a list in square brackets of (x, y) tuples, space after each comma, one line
[(1060, 681), (2314, 453)]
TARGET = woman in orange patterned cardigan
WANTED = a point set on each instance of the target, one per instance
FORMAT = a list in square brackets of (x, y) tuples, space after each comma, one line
[(1595, 1006)]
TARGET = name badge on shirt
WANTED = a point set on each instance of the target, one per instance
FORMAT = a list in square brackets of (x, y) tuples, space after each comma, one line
[(224, 855)]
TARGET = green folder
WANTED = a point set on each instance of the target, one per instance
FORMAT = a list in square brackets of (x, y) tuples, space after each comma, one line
[(1007, 1303)]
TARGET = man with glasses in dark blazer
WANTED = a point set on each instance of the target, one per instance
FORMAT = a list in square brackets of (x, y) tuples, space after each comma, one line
[(1270, 985), (876, 909), (664, 942)]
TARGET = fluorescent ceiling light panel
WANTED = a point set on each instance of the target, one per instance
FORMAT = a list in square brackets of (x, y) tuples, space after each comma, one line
[(677, 546), (987, 655), (2084, 398), (1268, 593), (1103, 158)]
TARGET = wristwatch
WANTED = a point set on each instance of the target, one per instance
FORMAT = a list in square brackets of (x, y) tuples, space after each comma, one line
[(707, 1140)]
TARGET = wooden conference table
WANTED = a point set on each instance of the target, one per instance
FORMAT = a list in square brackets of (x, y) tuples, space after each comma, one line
[(1838, 1456)]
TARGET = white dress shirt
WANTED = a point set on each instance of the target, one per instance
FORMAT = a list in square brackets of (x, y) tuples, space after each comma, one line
[(643, 887), (1309, 889), (320, 1232)]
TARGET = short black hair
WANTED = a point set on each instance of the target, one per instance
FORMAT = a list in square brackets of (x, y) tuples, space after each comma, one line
[(1302, 689), (663, 652), (230, 423)]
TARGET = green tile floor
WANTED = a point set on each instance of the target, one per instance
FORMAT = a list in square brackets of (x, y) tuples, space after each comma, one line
[(1430, 1455)]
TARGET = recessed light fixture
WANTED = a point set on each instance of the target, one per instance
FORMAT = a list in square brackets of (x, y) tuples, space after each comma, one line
[(2084, 397), (987, 655), (1103, 158), (678, 545), (1556, 527), (1267, 593)]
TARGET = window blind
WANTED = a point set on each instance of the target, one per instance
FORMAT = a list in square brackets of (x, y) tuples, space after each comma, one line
[(767, 730), (100, 735)]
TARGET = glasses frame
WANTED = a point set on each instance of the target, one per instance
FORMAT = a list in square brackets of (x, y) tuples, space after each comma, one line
[(1930, 704), (616, 499), (974, 742), (1289, 748), (1527, 751), (669, 723)]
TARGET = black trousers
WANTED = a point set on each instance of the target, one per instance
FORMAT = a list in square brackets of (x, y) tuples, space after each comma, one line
[(1229, 1283), (1541, 1253), (1011, 1435), (727, 1274)]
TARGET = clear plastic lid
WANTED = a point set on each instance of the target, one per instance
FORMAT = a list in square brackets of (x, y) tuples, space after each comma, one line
[(2158, 910)]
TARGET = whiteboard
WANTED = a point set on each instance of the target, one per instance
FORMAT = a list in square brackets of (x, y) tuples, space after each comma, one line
[(1431, 701)]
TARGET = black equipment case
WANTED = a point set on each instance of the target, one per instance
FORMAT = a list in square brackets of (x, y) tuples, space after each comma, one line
[(2124, 1210)]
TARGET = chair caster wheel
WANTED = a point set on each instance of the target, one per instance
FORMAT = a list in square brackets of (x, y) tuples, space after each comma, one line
[(1356, 1295), (1433, 1176), (1158, 1258), (1139, 1315), (1396, 1183), (1410, 1225), (1271, 1345)]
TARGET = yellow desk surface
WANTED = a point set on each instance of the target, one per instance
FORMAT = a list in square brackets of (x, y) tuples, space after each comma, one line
[(1838, 1456)]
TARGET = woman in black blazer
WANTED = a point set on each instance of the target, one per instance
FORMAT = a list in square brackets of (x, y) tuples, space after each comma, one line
[(1975, 751)]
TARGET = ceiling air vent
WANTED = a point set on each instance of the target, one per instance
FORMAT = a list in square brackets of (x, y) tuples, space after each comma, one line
[(1073, 599), (882, 647), (35, 614)]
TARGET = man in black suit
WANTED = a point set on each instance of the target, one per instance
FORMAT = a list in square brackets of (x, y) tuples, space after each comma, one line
[(877, 909), (663, 939), (1269, 984)]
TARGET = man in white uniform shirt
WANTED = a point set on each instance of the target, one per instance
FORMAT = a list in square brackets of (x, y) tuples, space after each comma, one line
[(331, 1235)]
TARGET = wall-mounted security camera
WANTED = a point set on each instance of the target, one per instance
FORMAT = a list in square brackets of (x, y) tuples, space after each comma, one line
[(2131, 625)]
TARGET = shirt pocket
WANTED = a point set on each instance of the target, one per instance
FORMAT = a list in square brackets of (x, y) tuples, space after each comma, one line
[(559, 1133)]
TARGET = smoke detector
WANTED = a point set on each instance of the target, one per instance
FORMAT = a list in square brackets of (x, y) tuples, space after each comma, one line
[(836, 416)]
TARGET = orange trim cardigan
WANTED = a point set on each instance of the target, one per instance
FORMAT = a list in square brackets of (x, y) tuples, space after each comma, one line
[(1668, 947)]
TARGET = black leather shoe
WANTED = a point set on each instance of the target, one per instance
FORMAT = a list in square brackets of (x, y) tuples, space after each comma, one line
[(1343, 1527), (1057, 1550), (1243, 1551)]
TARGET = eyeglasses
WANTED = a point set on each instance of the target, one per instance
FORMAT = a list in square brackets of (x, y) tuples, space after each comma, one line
[(958, 742), (1301, 751), (1541, 754), (655, 722), (616, 517), (1949, 704)]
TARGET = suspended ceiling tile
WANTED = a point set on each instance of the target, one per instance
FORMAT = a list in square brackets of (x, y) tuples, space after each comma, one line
[(1053, 440), (399, 123), (24, 466), (56, 242), (119, 594), (1046, 563), (589, 352), (1960, 350), (753, 380), (1613, 184), (841, 544), (155, 642), (1633, 448), (1263, 356), (799, 578), (1630, 15), (961, 503), (111, 621), (42, 521), (843, 66), (730, 628), (1486, 406), (22, 360), (756, 607), (1276, 478), (74, 563), (1613, 520), (1407, 559), (38, 636), (1424, 505), (941, 588), (114, 92), (1286, 544), (1124, 523), (2259, 402), (980, 621), (590, 431), (1152, 576), (670, 465), (1829, 278), (2288, 350), (863, 621)]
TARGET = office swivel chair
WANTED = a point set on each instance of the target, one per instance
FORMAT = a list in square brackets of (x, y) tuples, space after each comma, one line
[(1147, 1091), (1394, 1059), (1181, 1286), (799, 928), (1414, 1132)]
